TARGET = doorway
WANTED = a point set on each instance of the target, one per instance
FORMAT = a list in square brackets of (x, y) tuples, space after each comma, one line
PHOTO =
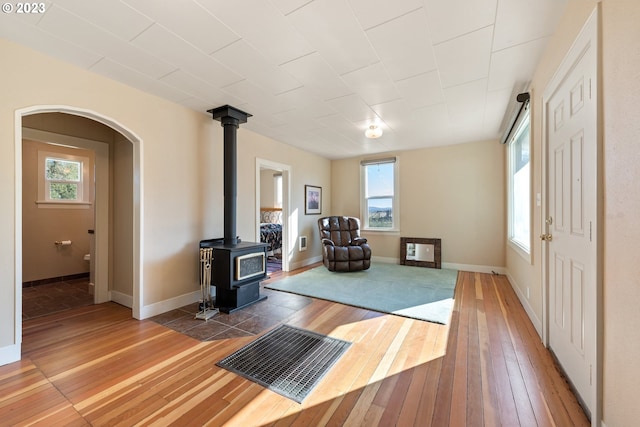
[(572, 215), (273, 212), (103, 293), (58, 236)]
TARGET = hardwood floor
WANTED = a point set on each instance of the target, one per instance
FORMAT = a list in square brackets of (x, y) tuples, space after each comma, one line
[(97, 366)]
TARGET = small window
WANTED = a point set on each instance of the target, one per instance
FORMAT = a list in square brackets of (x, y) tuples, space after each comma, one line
[(63, 179), (277, 190), (520, 187), (379, 203)]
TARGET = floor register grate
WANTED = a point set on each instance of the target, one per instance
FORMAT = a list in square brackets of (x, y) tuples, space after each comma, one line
[(287, 360)]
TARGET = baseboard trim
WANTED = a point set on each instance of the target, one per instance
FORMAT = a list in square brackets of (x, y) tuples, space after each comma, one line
[(537, 323), (169, 304), (450, 265), (385, 260), (122, 299), (304, 262), (10, 354), (474, 268)]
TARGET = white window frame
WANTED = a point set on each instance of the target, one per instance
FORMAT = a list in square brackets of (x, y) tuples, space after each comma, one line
[(395, 211), (523, 248), (44, 199)]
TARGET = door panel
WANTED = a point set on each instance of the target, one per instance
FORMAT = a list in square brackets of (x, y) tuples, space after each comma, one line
[(557, 208), (577, 307), (577, 209), (560, 291), (572, 206)]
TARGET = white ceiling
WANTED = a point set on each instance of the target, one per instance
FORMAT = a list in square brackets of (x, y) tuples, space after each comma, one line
[(314, 74)]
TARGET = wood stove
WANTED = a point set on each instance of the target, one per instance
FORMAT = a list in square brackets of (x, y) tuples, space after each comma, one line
[(237, 267)]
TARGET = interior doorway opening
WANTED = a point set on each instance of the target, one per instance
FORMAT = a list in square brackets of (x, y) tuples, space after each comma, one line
[(273, 212), (65, 176), (105, 223)]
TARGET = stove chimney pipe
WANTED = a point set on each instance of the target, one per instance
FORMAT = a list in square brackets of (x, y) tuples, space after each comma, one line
[(230, 118)]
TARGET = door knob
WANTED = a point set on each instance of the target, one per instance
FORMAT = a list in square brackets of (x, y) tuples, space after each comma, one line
[(546, 237)]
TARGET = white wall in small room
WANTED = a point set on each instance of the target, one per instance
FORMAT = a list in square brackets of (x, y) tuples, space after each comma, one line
[(267, 188)]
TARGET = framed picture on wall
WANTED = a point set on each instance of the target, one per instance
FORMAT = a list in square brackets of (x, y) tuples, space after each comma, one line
[(312, 200)]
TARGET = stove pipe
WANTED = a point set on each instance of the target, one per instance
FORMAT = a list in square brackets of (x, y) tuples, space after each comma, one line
[(230, 118)]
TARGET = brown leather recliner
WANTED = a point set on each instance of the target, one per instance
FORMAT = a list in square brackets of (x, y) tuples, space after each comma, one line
[(342, 247)]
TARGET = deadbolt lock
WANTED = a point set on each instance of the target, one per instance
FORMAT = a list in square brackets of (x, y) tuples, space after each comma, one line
[(546, 237)]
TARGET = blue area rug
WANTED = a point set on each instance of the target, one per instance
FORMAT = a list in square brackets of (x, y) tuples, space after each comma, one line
[(419, 293)]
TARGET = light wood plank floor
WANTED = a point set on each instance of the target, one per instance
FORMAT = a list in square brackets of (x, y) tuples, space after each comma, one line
[(98, 366)]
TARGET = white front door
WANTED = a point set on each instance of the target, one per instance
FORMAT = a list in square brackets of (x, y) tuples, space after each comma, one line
[(571, 127)]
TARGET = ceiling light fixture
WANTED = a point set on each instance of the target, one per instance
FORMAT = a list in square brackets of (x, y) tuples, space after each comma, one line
[(373, 132)]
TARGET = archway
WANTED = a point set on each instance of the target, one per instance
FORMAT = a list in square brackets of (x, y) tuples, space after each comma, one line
[(136, 300)]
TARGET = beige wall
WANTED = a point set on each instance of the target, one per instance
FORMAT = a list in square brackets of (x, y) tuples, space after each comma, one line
[(524, 274), (66, 124), (455, 193), (121, 216), (267, 188), (621, 85), (180, 175), (41, 227), (620, 88), (306, 168)]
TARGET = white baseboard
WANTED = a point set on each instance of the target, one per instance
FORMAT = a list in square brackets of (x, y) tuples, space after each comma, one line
[(309, 261), (463, 267), (385, 260), (537, 323), (169, 304), (474, 268), (9, 354), (304, 262), (120, 298)]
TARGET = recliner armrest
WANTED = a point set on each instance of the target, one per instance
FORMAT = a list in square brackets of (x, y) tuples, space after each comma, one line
[(358, 241), (328, 242)]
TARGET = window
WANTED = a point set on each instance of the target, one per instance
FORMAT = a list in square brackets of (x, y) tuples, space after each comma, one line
[(379, 191), (520, 187), (277, 190), (63, 179)]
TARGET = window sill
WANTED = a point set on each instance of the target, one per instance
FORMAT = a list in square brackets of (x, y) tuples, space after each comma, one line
[(520, 250), (379, 230), (47, 204)]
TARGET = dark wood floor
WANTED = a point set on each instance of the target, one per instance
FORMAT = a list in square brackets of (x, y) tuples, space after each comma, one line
[(46, 299), (97, 366)]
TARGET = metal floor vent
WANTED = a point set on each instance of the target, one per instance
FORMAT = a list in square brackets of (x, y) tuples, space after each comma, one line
[(287, 360)]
